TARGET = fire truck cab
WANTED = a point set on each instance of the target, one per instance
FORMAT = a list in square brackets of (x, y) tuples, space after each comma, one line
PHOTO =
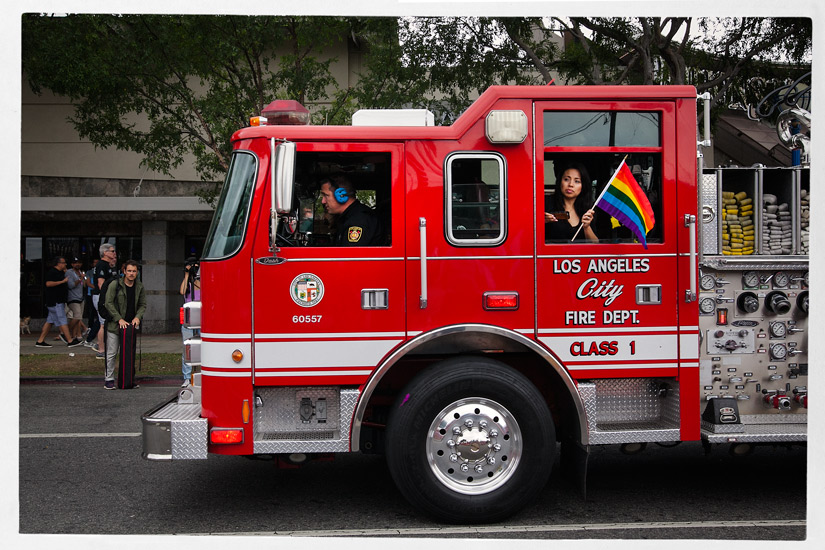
[(451, 328)]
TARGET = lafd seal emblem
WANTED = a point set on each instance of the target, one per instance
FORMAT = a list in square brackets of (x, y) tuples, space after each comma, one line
[(306, 290)]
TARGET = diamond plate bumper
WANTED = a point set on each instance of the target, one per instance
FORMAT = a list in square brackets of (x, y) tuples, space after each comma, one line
[(174, 430)]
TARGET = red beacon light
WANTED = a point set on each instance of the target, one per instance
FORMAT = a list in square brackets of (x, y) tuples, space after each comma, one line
[(282, 112)]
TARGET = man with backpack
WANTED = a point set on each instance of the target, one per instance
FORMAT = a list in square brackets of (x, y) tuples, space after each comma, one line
[(122, 304)]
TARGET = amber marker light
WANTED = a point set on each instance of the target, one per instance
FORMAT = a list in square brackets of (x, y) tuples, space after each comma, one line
[(245, 411), (226, 436), (237, 356)]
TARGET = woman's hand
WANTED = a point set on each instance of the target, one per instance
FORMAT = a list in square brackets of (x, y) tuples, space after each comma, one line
[(587, 218), (548, 217)]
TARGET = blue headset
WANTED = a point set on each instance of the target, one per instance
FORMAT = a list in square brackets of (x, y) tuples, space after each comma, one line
[(341, 195)]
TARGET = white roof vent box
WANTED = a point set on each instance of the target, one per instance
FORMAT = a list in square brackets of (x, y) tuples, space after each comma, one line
[(393, 117)]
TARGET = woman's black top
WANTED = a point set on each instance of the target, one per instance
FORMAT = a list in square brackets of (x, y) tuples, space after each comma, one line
[(562, 231)]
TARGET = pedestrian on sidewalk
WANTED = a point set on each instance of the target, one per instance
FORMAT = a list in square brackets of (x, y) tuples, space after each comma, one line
[(55, 299), (91, 311), (105, 269), (190, 289), (126, 300), (74, 305)]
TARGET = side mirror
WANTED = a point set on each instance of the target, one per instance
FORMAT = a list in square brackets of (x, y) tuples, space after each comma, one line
[(283, 176)]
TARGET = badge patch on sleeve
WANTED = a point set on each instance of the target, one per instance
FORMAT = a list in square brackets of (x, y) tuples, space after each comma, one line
[(354, 234)]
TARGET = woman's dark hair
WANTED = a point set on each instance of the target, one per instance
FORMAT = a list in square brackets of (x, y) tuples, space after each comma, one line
[(584, 201)]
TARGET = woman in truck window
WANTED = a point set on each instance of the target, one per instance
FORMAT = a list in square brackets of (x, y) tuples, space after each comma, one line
[(569, 207)]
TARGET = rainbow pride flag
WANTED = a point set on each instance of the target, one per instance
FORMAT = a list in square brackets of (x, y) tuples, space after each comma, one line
[(624, 200)]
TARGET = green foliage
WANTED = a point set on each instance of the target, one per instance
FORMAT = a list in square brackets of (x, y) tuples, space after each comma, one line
[(166, 86)]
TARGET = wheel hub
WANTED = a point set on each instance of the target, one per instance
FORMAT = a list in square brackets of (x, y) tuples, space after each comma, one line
[(474, 445)]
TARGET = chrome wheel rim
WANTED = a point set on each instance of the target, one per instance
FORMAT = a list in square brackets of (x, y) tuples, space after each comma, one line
[(474, 446)]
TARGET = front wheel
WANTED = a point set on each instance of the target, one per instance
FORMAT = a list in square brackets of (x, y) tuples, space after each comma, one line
[(470, 440)]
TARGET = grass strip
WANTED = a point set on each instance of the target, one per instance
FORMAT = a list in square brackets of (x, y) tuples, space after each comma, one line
[(54, 364)]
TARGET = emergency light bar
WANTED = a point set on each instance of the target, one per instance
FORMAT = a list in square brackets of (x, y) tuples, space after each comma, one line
[(282, 112)]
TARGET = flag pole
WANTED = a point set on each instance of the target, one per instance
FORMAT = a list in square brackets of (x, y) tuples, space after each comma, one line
[(601, 194)]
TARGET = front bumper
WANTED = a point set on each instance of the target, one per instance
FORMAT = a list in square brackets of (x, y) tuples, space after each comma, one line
[(174, 429)]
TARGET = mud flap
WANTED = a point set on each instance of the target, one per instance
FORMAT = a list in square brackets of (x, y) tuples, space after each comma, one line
[(574, 457)]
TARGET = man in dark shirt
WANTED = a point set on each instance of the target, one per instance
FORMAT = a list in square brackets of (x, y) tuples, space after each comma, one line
[(126, 300), (55, 297), (104, 269), (355, 224)]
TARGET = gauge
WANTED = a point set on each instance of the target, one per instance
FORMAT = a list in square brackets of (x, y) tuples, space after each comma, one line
[(707, 282), (779, 352), (707, 305), (778, 330), (750, 279), (780, 279)]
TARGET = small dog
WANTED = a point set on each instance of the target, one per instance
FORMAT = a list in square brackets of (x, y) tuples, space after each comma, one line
[(24, 325)]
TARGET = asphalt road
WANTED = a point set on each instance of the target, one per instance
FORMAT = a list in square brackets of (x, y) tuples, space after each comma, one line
[(80, 472)]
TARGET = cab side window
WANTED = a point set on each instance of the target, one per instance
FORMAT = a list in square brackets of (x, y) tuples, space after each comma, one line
[(364, 177), (646, 169), (598, 141), (475, 199)]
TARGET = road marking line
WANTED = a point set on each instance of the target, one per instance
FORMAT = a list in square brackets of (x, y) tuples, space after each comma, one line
[(504, 529), (46, 436)]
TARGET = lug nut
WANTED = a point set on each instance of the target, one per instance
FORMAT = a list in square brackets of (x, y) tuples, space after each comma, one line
[(456, 430), (465, 468), (482, 424), (468, 423), (494, 433), (478, 468), (453, 457), (491, 460), (496, 447)]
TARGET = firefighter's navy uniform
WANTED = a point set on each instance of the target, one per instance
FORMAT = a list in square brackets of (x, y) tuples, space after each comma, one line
[(358, 225)]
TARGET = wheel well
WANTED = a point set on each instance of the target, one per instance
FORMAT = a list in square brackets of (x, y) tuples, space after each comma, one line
[(512, 349)]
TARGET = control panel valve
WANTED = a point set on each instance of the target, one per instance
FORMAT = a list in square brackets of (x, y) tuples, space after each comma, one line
[(777, 400), (748, 302), (801, 398), (777, 302)]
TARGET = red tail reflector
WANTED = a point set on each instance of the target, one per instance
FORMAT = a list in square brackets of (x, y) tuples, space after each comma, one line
[(226, 436), (182, 317), (501, 300)]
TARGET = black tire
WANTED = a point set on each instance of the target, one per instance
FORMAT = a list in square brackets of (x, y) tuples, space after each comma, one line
[(476, 413)]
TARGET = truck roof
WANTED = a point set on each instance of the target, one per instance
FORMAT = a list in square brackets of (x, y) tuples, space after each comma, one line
[(474, 112)]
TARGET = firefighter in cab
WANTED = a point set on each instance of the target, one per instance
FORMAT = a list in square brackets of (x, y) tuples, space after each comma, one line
[(354, 223)]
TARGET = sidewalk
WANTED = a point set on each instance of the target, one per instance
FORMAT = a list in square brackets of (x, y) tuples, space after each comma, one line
[(147, 343)]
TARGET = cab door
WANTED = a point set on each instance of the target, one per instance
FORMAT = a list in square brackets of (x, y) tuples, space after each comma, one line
[(609, 309), (327, 315)]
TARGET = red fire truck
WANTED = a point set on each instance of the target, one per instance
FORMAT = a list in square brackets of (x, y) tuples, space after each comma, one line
[(468, 344)]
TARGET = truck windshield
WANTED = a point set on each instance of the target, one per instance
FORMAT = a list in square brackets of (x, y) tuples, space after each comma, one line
[(229, 223)]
